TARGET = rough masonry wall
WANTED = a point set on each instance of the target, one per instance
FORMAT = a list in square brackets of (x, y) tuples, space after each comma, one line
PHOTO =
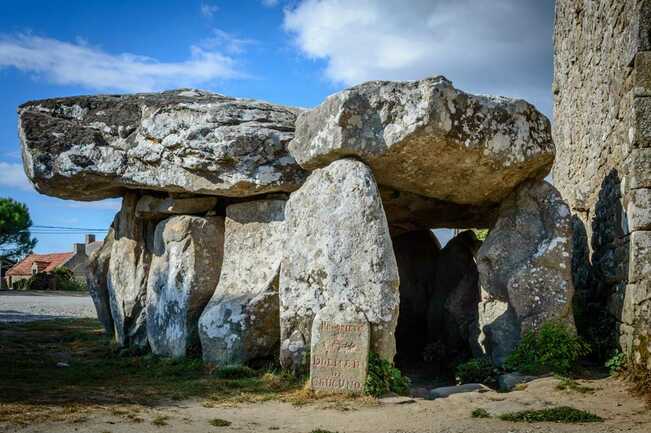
[(602, 132)]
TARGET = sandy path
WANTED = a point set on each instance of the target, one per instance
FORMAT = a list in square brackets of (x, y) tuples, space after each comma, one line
[(610, 400)]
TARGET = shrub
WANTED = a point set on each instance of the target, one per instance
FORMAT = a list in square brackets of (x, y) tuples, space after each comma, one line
[(552, 348), (383, 377), (59, 279), (478, 370), (65, 280), (480, 413), (616, 363), (564, 414)]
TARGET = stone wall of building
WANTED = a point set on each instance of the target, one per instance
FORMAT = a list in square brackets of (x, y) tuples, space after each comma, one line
[(602, 132)]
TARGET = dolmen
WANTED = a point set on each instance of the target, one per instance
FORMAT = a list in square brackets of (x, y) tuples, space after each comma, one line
[(250, 230)]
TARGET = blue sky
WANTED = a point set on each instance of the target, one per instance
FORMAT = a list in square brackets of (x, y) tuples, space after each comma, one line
[(289, 52)]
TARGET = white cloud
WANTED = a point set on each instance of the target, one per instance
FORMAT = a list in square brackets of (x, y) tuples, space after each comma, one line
[(208, 9), (498, 46), (270, 3), (13, 176), (79, 64), (227, 42)]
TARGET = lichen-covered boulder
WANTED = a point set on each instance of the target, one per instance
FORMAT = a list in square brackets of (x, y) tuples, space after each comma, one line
[(127, 274), (338, 252), (185, 268), (241, 322), (525, 268), (94, 147), (407, 212), (428, 138), (97, 278)]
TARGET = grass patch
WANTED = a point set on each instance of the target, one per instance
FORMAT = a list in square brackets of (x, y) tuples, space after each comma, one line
[(568, 384), (217, 422), (101, 374), (561, 414), (480, 413), (235, 372)]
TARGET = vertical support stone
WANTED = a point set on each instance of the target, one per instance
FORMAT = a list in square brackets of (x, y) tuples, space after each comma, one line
[(185, 267), (241, 323), (97, 282), (525, 268), (338, 252), (127, 274)]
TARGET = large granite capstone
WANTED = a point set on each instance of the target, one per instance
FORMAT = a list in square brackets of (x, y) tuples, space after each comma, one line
[(428, 138), (94, 147)]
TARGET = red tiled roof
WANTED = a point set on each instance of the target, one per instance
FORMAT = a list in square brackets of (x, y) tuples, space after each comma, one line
[(24, 267)]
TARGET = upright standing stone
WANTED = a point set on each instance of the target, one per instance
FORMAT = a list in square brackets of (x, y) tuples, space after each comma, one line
[(97, 282), (338, 252), (339, 350), (127, 274), (185, 268), (241, 321), (525, 268)]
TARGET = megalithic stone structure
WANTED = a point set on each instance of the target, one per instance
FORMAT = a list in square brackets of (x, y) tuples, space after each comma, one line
[(311, 200)]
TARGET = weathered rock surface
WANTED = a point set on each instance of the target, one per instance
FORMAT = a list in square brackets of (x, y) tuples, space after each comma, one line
[(338, 252), (508, 381), (97, 270), (241, 321), (156, 207), (525, 268), (428, 138), (127, 274), (94, 147), (185, 267), (407, 212), (446, 391), (453, 306)]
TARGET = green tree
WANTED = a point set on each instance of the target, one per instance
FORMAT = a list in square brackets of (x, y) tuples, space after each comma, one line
[(15, 238)]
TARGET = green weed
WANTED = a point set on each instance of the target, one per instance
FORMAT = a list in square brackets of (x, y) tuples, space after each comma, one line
[(383, 377), (561, 414), (552, 348)]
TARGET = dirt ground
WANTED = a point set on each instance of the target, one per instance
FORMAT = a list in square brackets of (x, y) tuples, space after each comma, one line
[(610, 400), (65, 376)]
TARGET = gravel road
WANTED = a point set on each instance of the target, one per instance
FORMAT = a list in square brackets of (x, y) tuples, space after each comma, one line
[(28, 306)]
